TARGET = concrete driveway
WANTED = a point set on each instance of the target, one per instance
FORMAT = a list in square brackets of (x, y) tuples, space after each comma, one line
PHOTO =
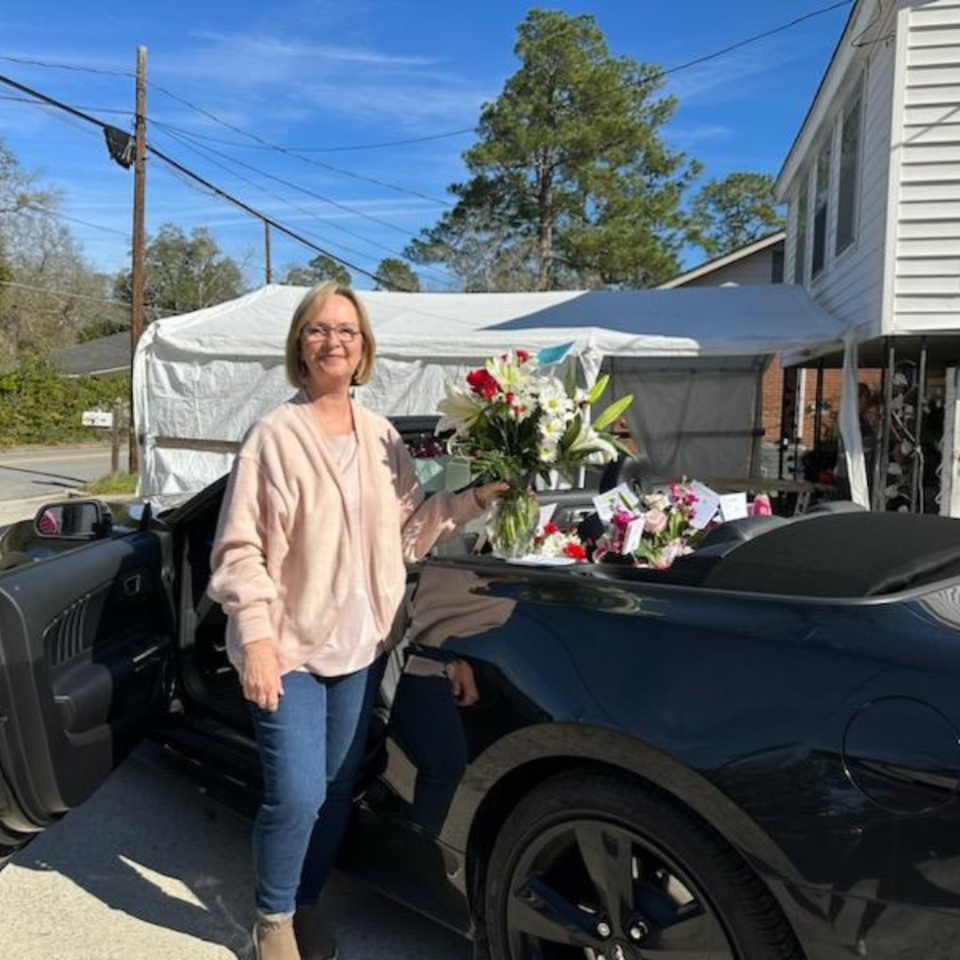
[(151, 868)]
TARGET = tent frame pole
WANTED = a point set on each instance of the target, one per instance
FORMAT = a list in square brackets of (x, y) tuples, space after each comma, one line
[(818, 421), (916, 487), (882, 460)]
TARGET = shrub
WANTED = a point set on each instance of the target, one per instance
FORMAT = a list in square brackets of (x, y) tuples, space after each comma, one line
[(37, 405)]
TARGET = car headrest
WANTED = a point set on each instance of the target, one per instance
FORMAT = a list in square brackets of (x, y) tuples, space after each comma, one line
[(634, 471), (734, 532)]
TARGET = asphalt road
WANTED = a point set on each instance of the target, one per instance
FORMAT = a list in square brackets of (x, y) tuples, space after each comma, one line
[(51, 471), (152, 867)]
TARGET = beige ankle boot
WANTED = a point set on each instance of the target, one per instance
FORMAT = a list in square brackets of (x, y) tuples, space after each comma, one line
[(273, 937), (313, 938)]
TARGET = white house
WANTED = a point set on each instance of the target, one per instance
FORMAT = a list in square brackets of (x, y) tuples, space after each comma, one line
[(872, 181)]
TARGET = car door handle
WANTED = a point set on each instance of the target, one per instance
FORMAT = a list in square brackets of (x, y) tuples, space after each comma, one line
[(144, 656), (132, 585)]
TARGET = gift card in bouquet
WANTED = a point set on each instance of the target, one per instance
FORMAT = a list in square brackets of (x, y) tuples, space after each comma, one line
[(706, 507), (632, 534), (733, 506), (621, 497)]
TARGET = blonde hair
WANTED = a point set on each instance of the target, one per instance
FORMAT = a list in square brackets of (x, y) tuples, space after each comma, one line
[(316, 297)]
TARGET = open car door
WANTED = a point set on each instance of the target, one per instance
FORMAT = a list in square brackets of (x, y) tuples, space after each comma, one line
[(86, 661)]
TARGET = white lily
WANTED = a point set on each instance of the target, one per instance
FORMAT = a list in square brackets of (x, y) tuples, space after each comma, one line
[(459, 411), (508, 372), (589, 443)]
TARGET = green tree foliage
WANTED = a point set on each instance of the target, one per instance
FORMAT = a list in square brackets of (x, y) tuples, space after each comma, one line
[(396, 275), (317, 270), (730, 213), (570, 178), (183, 273), (39, 406)]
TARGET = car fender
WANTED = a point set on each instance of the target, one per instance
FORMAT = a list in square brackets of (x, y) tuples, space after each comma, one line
[(526, 756)]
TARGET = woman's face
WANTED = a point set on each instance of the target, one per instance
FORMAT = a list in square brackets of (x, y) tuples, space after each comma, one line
[(331, 343)]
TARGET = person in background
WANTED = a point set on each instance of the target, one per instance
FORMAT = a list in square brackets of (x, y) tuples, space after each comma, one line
[(321, 512)]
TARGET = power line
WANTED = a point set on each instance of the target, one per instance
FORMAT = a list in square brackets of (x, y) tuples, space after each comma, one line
[(77, 68), (308, 192), (66, 294), (205, 153), (342, 149), (298, 156), (128, 113), (288, 203), (57, 215), (219, 191)]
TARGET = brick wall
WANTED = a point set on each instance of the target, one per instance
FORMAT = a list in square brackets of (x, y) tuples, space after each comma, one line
[(832, 381)]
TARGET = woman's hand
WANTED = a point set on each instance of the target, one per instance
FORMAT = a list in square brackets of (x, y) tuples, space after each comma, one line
[(489, 492), (464, 684), (260, 675)]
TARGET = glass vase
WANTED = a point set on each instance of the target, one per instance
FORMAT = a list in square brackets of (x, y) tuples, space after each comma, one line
[(513, 523)]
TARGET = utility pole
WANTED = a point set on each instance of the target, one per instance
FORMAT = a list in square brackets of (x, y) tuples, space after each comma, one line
[(136, 267), (266, 250)]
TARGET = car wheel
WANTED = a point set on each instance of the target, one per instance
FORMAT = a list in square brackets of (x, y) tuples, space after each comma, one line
[(598, 867)]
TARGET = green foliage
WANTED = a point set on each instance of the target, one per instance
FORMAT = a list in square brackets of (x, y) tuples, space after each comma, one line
[(105, 486), (730, 213), (396, 275), (102, 327), (183, 273), (571, 183), (38, 406), (319, 269)]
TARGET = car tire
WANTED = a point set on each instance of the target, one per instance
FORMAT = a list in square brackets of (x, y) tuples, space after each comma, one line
[(595, 862)]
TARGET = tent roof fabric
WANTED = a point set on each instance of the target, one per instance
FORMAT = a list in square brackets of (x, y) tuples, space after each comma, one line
[(706, 321)]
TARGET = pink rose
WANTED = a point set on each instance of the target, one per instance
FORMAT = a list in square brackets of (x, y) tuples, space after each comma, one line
[(760, 506), (655, 522)]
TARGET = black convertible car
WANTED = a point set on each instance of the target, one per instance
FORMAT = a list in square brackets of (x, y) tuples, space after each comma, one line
[(752, 755)]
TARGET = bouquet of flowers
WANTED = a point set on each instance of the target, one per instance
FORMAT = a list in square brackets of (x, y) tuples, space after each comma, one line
[(665, 525), (552, 542), (516, 422)]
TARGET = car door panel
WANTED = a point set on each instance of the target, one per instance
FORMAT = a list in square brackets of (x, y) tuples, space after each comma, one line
[(87, 642)]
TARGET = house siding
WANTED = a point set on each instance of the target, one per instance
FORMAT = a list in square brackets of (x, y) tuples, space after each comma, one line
[(926, 283), (757, 269), (850, 285)]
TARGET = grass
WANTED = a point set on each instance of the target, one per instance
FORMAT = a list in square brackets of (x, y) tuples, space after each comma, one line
[(104, 486)]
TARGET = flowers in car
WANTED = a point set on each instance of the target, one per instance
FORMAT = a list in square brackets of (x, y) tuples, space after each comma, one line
[(552, 542), (656, 533)]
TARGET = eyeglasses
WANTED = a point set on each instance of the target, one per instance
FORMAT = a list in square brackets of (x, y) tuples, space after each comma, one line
[(320, 331)]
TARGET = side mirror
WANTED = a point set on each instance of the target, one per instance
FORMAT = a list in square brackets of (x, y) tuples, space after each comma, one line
[(73, 520)]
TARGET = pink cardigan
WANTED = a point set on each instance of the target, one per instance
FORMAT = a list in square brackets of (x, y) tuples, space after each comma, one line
[(281, 560)]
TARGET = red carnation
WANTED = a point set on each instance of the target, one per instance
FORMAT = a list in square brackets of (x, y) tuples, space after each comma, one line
[(550, 527), (523, 355), (483, 383), (575, 550)]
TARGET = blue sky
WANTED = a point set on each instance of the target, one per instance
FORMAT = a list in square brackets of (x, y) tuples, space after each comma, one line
[(325, 73)]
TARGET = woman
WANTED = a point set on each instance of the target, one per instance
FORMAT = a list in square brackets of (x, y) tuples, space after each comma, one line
[(322, 510)]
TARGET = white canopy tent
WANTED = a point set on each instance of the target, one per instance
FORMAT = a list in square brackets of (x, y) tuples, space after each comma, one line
[(692, 357)]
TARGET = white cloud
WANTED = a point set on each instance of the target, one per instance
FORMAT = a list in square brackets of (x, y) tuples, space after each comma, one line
[(290, 50), (247, 78), (699, 133)]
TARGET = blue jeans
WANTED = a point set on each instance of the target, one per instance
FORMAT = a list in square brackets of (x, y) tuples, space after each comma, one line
[(311, 750)]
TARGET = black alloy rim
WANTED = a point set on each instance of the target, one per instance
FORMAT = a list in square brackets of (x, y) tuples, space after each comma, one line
[(592, 889)]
